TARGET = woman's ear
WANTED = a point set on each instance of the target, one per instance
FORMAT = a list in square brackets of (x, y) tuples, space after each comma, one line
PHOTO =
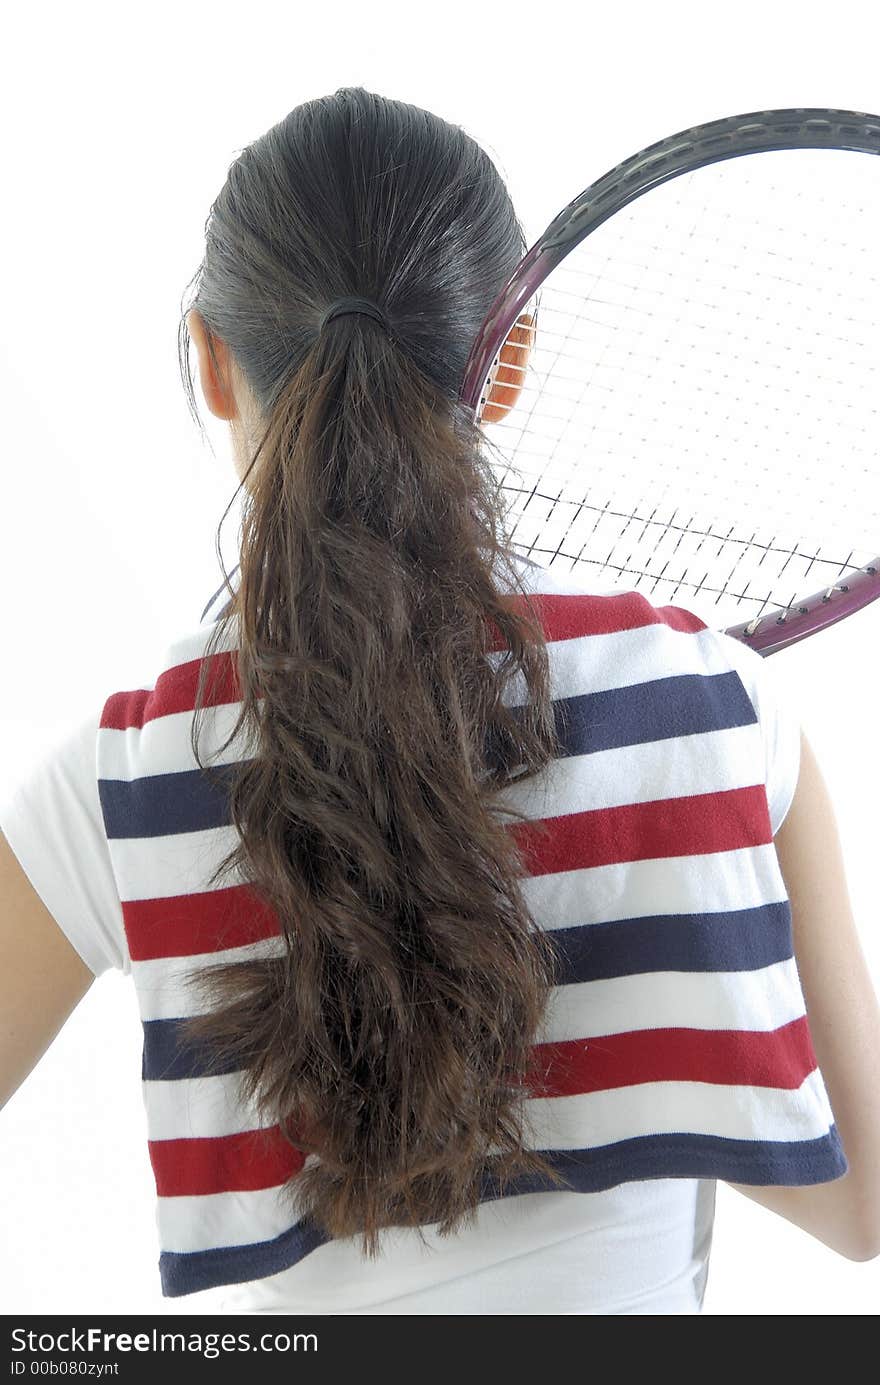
[(218, 396), (508, 376)]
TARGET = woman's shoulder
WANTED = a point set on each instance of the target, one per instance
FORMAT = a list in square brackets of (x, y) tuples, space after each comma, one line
[(602, 637)]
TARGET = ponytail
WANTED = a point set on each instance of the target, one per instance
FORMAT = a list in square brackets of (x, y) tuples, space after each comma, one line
[(379, 653)]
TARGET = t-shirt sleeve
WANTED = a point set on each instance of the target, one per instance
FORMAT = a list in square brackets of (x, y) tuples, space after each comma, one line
[(52, 819), (778, 719)]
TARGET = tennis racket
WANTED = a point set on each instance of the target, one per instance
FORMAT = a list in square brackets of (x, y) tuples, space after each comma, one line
[(679, 383)]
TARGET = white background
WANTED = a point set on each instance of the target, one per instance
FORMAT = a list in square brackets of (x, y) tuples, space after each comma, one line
[(119, 126)]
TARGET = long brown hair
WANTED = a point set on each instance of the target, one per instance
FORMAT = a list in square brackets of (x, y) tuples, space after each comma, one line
[(392, 1037)]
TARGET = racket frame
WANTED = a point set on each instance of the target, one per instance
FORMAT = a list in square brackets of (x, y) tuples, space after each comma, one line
[(684, 152)]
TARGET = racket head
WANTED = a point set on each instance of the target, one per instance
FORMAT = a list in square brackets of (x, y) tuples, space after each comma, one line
[(515, 320)]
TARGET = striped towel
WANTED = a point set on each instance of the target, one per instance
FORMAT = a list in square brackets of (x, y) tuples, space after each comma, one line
[(676, 1043)]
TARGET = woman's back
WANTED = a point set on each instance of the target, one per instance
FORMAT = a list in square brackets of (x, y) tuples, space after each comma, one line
[(640, 1247), (636, 1246), (676, 1048)]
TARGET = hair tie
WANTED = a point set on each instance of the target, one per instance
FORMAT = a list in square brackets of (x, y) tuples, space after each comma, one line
[(343, 306)]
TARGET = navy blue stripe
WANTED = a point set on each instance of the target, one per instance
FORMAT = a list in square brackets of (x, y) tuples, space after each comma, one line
[(186, 1272), (658, 710), (196, 800), (739, 940), (734, 940), (159, 805), (789, 1163), (166, 1058)]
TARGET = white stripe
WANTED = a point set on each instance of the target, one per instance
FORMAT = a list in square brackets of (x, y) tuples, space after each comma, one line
[(707, 883), (212, 1220), (195, 1108), (162, 986), (165, 744), (664, 1108), (623, 659), (760, 1000), (178, 863), (712, 762)]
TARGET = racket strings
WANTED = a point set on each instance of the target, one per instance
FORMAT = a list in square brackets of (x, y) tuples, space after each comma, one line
[(699, 407), (820, 567)]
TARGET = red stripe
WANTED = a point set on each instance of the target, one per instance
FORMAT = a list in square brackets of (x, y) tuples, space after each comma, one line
[(226, 1164), (562, 617), (175, 691), (124, 709), (185, 925), (579, 614), (780, 1057), (691, 825)]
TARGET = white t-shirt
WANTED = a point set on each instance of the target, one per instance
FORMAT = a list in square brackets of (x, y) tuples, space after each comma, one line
[(639, 1247)]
